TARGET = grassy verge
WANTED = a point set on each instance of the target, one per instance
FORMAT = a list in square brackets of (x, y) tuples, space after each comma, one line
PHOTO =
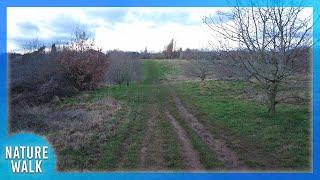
[(172, 151), (163, 148), (121, 151), (110, 150), (163, 69), (207, 157), (286, 136)]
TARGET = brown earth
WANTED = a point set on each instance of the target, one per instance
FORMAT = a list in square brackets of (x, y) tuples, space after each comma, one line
[(219, 146), (143, 152), (190, 156)]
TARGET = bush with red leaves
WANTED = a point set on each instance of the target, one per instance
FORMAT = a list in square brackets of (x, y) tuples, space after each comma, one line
[(85, 68)]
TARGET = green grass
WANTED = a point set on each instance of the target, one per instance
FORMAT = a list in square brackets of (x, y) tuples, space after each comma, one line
[(286, 135), (162, 70), (111, 149), (136, 131), (207, 157), (283, 139), (163, 145), (119, 92), (172, 151), (122, 149)]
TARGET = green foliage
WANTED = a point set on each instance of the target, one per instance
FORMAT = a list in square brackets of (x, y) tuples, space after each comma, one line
[(207, 157)]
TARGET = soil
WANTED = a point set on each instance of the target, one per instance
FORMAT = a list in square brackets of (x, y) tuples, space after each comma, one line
[(146, 140), (219, 146), (190, 156)]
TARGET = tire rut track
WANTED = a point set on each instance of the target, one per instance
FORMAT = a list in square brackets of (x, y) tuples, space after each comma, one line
[(190, 155), (146, 140), (217, 145)]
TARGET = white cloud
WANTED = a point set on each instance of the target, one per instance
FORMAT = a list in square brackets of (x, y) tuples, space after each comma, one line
[(133, 29), (121, 28)]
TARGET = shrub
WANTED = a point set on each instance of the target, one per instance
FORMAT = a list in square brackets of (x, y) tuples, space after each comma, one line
[(35, 78), (30, 69), (124, 68), (85, 68)]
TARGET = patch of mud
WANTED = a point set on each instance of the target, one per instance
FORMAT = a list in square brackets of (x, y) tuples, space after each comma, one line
[(215, 144), (190, 156), (151, 152), (143, 152)]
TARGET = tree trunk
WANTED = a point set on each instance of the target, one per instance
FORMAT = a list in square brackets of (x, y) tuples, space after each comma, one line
[(272, 103), (201, 86)]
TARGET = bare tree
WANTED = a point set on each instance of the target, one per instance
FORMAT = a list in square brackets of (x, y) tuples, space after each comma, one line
[(81, 39), (267, 42), (145, 54), (199, 68), (32, 45), (53, 49)]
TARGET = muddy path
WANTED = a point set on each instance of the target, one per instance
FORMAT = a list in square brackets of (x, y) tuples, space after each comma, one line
[(190, 156), (144, 147), (219, 146), (157, 147)]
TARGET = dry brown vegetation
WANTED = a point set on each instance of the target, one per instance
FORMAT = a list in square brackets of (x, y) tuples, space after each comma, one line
[(70, 127), (85, 68)]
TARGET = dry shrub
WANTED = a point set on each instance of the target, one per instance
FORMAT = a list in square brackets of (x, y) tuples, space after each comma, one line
[(30, 70), (36, 78), (77, 126), (24, 117), (124, 68), (70, 127), (85, 68)]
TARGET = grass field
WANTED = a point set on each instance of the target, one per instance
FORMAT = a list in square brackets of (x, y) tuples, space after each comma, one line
[(283, 138), (145, 139)]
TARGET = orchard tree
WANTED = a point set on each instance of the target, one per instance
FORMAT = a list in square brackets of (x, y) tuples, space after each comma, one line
[(267, 42), (200, 68)]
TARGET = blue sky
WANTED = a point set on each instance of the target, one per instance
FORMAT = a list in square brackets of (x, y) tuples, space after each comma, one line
[(123, 28), (113, 28)]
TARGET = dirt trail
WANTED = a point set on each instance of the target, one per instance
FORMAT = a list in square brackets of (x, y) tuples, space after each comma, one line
[(144, 148), (190, 156), (217, 145)]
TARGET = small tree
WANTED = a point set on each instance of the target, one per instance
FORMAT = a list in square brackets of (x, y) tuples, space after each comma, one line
[(81, 62), (53, 49), (145, 54), (81, 39), (200, 68), (169, 50), (145, 50), (267, 43)]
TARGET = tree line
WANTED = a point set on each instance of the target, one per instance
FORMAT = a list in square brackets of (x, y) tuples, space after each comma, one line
[(267, 44)]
